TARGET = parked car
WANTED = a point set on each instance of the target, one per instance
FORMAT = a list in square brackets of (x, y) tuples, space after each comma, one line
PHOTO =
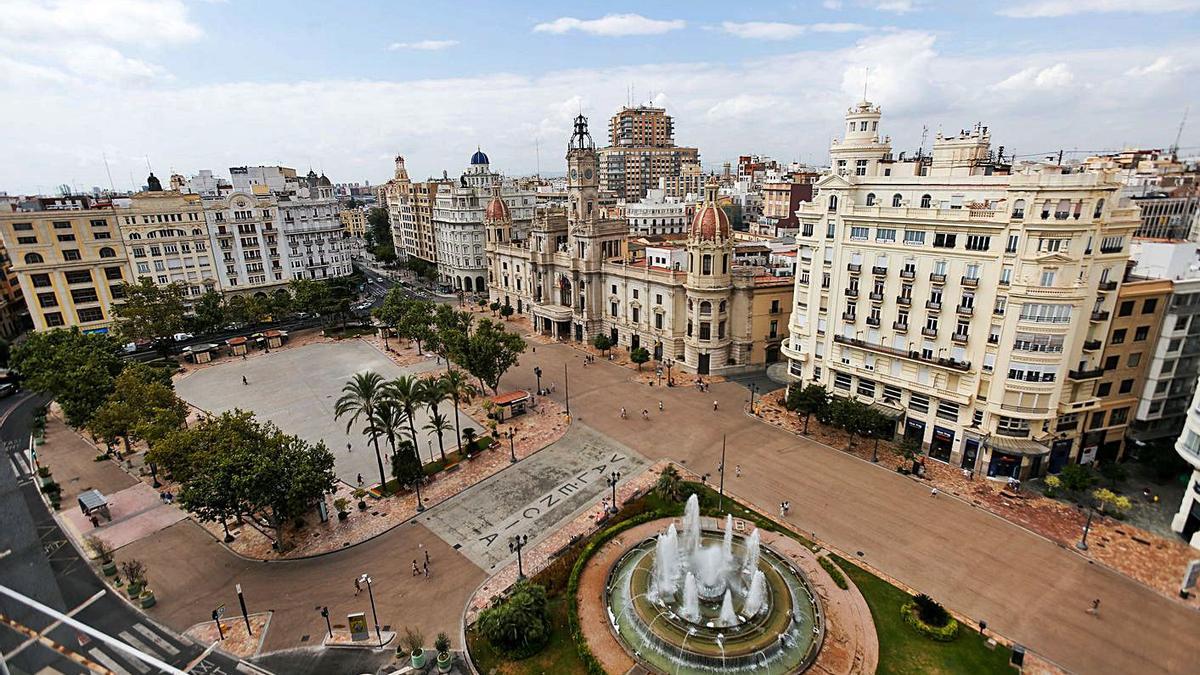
[(180, 337)]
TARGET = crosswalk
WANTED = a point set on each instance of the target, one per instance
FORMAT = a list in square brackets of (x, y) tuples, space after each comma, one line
[(105, 658)]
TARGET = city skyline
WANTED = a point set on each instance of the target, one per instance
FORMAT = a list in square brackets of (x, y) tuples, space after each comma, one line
[(344, 90)]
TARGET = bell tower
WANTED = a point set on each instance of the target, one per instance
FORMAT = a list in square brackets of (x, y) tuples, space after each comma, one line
[(582, 176)]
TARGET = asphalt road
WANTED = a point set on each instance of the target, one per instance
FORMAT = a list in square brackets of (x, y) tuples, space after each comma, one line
[(42, 564)]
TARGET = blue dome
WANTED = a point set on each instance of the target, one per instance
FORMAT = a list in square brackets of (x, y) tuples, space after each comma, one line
[(479, 158)]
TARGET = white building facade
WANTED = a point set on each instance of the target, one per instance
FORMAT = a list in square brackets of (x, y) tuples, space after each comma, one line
[(957, 296)]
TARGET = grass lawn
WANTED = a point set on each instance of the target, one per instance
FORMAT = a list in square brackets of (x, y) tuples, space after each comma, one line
[(902, 650), (559, 656)]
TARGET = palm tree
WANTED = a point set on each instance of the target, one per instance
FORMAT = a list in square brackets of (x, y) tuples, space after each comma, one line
[(408, 392), (457, 385), (360, 398), (389, 419), (438, 424)]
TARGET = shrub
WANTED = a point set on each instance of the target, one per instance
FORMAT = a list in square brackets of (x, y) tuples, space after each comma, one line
[(1053, 483), (930, 611), (1110, 500), (340, 504), (834, 571), (518, 625), (100, 547), (1076, 477), (442, 644), (134, 572), (413, 640), (669, 485), (602, 343), (1114, 473), (911, 612)]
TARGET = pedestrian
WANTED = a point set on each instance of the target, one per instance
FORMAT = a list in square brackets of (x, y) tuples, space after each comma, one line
[(360, 480), (645, 414), (623, 416), (714, 406), (426, 557), (660, 406), (416, 570), (349, 448), (1095, 608), (244, 380), (162, 497), (243, 357), (95, 520), (357, 586), (781, 508), (426, 569), (933, 492), (170, 498), (737, 469)]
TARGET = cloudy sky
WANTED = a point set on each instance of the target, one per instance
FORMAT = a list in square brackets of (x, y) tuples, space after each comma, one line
[(344, 86)]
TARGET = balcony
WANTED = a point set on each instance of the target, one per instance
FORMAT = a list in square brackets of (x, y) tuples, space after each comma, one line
[(1108, 285), (873, 321), (854, 267), (1091, 345), (879, 271), (851, 292), (876, 296), (849, 317), (937, 278), (970, 282), (964, 310), (1100, 315), (993, 339), (908, 274), (1085, 373), (900, 326), (960, 338), (1112, 249), (933, 305), (903, 301), (913, 355), (929, 332)]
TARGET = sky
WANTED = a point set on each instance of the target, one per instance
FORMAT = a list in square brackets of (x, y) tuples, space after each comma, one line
[(342, 87)]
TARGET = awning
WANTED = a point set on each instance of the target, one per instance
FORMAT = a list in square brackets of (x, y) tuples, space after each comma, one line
[(553, 312), (888, 411), (90, 500), (1016, 446)]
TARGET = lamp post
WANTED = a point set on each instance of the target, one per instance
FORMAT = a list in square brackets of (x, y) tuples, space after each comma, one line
[(668, 363), (328, 626), (1087, 526), (537, 372), (515, 545), (613, 479), (512, 433), (420, 504), (721, 469), (371, 594), (567, 387), (154, 474), (753, 391)]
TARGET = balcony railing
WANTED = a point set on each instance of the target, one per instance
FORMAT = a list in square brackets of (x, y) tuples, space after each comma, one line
[(903, 301), (959, 337), (851, 292), (1100, 315), (912, 355), (937, 278), (879, 271), (854, 267), (900, 326), (965, 310), (933, 305), (970, 282), (1091, 345), (929, 332), (1085, 373), (849, 317), (993, 339), (1112, 249), (877, 297), (873, 321), (1108, 285), (908, 274)]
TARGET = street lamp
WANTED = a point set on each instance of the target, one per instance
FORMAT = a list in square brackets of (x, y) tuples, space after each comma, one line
[(537, 372), (753, 391), (328, 626), (515, 545), (567, 387), (1082, 545), (420, 504), (613, 479), (371, 594), (668, 363), (512, 433)]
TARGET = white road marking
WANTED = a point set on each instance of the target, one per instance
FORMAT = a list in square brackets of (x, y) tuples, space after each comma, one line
[(107, 661), (153, 637), (136, 643)]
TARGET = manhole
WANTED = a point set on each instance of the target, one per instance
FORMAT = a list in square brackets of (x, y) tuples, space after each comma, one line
[(304, 638), (457, 546)]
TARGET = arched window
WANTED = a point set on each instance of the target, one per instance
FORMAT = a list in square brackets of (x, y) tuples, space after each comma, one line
[(107, 252), (832, 203), (896, 200), (1019, 209), (926, 201), (870, 199), (706, 307), (33, 258), (152, 234), (196, 232), (722, 306), (1099, 208), (724, 263), (134, 235)]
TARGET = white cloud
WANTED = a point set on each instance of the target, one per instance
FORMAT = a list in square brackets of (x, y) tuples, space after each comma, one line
[(1036, 9), (612, 25), (832, 5), (423, 45), (1056, 76), (773, 30), (1163, 65), (894, 6)]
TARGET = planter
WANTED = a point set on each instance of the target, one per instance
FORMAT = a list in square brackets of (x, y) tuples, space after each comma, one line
[(134, 590), (362, 506), (342, 515), (418, 659), (444, 661), (148, 600), (109, 569)]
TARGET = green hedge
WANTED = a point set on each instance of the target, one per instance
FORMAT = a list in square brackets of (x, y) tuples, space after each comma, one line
[(945, 633), (834, 571)]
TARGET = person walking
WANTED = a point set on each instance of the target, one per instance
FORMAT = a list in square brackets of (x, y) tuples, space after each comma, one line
[(933, 492), (426, 557), (426, 569), (357, 587), (660, 406), (416, 570), (645, 414), (244, 380), (714, 406), (737, 470), (1094, 610), (623, 415)]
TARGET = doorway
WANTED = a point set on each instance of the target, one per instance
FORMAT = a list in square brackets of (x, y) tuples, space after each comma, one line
[(970, 454), (702, 364)]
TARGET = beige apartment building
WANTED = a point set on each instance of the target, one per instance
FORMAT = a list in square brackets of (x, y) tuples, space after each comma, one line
[(70, 263), (167, 237), (642, 150), (246, 241), (354, 221), (410, 213), (957, 294)]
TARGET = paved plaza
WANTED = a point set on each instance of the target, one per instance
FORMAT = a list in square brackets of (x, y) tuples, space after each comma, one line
[(297, 389), (532, 497)]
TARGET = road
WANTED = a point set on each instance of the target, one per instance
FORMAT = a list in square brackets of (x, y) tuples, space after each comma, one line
[(43, 565)]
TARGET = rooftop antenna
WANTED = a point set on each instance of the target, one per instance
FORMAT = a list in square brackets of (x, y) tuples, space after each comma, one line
[(537, 152), (1179, 134), (866, 78), (107, 170)]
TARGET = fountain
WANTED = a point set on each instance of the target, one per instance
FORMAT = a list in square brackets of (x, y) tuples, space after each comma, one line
[(695, 601)]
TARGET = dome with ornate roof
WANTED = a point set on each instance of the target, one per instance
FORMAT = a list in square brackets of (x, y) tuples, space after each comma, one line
[(479, 157), (324, 182), (711, 222)]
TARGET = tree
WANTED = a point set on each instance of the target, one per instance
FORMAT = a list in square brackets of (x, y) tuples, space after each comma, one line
[(602, 342), (209, 314), (438, 424), (76, 369), (5, 352), (286, 479), (406, 465), (312, 297), (494, 306), (518, 625), (807, 401), (639, 356), (279, 304), (452, 330), (388, 421), (246, 310), (140, 407), (408, 392), (506, 311), (360, 397), (1076, 477), (489, 352), (415, 321), (670, 484), (459, 388), (150, 312)]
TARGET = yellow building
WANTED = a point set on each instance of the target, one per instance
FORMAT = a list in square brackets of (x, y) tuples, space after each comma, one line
[(70, 263), (12, 300), (166, 235), (355, 222)]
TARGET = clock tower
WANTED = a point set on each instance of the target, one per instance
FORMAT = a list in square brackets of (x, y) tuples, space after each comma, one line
[(582, 178)]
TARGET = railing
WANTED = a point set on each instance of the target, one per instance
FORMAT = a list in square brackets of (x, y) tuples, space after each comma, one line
[(937, 278), (900, 326), (1033, 410), (958, 337), (913, 355), (854, 267), (847, 316), (1091, 345), (873, 321), (1108, 285), (965, 310), (933, 305), (1012, 433), (1085, 374), (879, 271), (908, 274), (970, 282), (929, 332), (1112, 249), (877, 297), (904, 301), (851, 292), (1100, 315)]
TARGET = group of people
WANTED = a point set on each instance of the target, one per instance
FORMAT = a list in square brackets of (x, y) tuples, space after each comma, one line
[(645, 412), (166, 497)]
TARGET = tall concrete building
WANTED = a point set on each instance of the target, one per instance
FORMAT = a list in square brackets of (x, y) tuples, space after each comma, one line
[(458, 223), (410, 215), (658, 213), (957, 294), (1187, 520), (641, 150)]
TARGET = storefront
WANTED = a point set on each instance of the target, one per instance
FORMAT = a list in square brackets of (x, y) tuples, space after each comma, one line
[(896, 415), (1060, 454), (1017, 458), (914, 430), (970, 454), (941, 444)]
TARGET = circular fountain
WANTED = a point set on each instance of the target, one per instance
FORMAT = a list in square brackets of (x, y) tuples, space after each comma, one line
[(702, 601)]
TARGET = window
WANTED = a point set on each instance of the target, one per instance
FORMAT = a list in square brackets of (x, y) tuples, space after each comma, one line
[(1048, 277), (705, 330), (62, 225), (943, 240), (79, 277), (107, 252), (1149, 305), (1134, 360), (71, 254), (859, 233), (1011, 426), (1111, 362), (1125, 309), (1097, 420), (885, 234), (79, 295), (1118, 416), (1011, 246), (1000, 306), (612, 308), (947, 410), (1018, 209), (832, 203), (1104, 389), (830, 228), (27, 240), (47, 299), (1118, 336), (1046, 313), (1053, 245), (918, 402), (1141, 333), (112, 273), (89, 314), (101, 235), (841, 381), (40, 280), (977, 242), (53, 319), (870, 199), (33, 259), (22, 227), (860, 166), (866, 388), (926, 201), (658, 298), (1038, 342), (897, 200), (706, 264), (914, 237), (1125, 387), (972, 271), (658, 320), (1006, 275), (66, 237)]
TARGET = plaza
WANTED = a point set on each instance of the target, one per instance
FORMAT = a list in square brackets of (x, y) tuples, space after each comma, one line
[(297, 389)]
